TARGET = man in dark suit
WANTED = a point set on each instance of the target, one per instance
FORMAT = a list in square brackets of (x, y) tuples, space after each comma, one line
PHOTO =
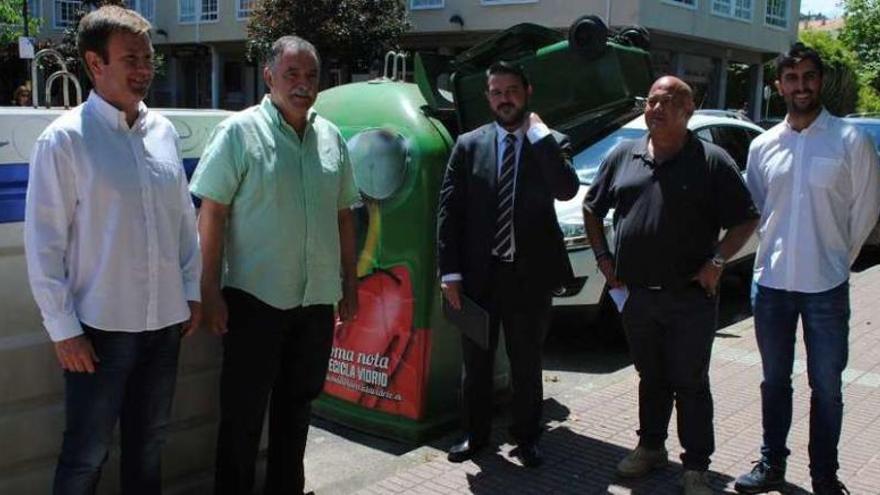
[(500, 244)]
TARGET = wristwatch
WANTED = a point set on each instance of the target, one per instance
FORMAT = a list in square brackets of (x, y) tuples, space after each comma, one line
[(717, 260)]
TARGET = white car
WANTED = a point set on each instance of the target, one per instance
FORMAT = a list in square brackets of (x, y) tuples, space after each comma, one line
[(586, 293)]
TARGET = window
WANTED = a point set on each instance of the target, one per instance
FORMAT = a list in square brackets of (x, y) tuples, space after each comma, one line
[(146, 8), (33, 8), (777, 13), (425, 4), (738, 9), (735, 141), (245, 8), (65, 13), (691, 4), (198, 11)]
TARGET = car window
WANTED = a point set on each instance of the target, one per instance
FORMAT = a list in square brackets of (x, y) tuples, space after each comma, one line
[(705, 134), (587, 161), (735, 140)]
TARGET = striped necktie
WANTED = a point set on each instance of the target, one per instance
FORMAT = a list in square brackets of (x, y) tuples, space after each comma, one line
[(503, 246)]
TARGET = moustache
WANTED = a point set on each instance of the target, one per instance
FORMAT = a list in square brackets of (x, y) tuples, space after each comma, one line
[(302, 93)]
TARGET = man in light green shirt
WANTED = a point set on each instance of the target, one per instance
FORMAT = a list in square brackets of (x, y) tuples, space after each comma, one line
[(277, 235)]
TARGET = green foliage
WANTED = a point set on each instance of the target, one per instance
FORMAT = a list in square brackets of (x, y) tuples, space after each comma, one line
[(12, 22), (869, 99), (67, 47), (353, 32), (840, 88), (861, 33)]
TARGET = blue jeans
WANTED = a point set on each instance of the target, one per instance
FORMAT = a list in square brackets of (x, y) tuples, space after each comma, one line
[(133, 383), (825, 318)]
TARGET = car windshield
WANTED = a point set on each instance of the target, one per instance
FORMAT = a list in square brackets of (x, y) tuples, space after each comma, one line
[(873, 131), (587, 162)]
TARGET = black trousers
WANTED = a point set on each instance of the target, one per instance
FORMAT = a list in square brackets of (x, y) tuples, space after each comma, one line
[(277, 354), (670, 334), (524, 314)]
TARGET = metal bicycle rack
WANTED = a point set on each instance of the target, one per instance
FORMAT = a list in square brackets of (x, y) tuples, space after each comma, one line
[(63, 73)]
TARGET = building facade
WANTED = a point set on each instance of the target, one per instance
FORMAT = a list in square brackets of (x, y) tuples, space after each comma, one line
[(203, 41), (697, 40)]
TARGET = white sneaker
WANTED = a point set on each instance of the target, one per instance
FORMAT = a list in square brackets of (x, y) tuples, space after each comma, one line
[(696, 483), (641, 461)]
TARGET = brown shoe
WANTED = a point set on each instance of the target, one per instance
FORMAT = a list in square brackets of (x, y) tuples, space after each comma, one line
[(642, 461)]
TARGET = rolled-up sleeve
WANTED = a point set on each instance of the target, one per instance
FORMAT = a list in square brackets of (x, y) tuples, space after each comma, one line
[(219, 172), (348, 191), (49, 210)]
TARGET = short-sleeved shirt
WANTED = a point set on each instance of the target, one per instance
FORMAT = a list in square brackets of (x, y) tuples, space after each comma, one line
[(284, 193), (668, 216)]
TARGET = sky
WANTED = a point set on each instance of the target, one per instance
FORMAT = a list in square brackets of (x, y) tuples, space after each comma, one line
[(828, 7)]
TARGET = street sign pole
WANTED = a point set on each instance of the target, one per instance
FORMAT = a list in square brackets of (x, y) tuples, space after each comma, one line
[(24, 16)]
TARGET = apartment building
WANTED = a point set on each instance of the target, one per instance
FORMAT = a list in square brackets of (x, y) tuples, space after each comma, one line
[(696, 40), (203, 41)]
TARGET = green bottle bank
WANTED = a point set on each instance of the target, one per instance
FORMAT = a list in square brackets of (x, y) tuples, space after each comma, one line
[(394, 371)]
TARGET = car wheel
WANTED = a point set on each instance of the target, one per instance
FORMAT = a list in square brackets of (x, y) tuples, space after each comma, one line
[(587, 35)]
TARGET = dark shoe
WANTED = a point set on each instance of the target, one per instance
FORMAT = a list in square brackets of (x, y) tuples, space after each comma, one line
[(829, 486), (642, 461), (528, 455), (464, 450), (762, 479)]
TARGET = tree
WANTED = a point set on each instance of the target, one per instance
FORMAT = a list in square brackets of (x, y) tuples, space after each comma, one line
[(840, 86), (353, 32), (861, 33), (12, 21), (67, 47)]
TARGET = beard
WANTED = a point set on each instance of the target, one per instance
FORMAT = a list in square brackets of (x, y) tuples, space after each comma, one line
[(795, 107), (508, 116)]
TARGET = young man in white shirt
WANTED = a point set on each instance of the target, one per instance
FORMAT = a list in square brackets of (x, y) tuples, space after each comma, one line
[(113, 258), (816, 182)]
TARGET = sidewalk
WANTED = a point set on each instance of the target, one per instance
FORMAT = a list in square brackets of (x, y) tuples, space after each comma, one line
[(586, 436)]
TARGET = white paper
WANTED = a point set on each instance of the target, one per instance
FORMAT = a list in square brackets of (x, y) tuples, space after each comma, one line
[(25, 47), (619, 295)]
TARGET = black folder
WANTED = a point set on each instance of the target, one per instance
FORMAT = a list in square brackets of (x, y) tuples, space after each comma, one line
[(471, 319)]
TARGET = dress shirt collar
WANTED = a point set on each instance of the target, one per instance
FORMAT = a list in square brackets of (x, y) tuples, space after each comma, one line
[(502, 132), (114, 117), (278, 120), (822, 121)]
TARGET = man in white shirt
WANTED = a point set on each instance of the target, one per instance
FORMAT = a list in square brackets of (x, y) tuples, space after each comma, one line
[(113, 258), (816, 182)]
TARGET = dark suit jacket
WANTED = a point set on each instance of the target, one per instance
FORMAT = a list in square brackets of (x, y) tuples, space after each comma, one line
[(467, 213)]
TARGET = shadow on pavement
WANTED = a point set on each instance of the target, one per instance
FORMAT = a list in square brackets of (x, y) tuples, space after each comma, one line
[(576, 463)]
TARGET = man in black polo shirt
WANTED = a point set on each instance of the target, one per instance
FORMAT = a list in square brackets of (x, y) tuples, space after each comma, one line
[(672, 193)]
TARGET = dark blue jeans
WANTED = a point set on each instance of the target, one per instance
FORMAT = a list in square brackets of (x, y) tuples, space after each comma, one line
[(134, 383), (825, 318)]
